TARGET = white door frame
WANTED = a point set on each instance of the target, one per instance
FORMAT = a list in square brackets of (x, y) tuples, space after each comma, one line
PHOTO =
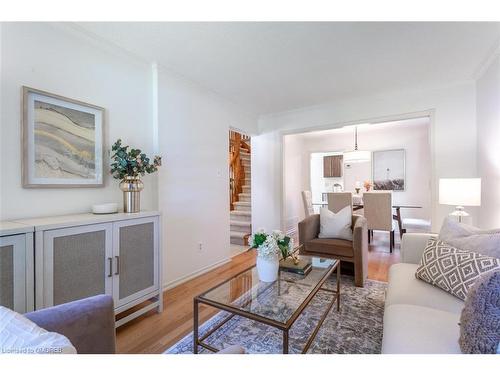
[(375, 120)]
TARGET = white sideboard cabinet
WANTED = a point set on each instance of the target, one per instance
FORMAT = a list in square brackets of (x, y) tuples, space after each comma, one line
[(16, 266), (78, 256)]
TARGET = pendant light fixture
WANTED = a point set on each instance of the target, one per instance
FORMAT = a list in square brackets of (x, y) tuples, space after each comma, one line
[(356, 156)]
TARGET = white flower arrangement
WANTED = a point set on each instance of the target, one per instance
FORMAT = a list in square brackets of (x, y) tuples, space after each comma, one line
[(271, 245)]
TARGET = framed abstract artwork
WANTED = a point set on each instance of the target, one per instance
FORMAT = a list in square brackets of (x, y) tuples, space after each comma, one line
[(389, 170), (62, 141)]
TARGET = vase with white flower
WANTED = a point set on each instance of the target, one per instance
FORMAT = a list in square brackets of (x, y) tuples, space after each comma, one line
[(270, 247)]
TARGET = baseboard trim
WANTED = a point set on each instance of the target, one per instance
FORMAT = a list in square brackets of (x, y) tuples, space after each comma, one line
[(192, 275)]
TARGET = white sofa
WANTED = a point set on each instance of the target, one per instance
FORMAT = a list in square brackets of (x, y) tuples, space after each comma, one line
[(418, 317)]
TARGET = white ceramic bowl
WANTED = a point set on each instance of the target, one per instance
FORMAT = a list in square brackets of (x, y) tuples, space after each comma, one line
[(105, 208)]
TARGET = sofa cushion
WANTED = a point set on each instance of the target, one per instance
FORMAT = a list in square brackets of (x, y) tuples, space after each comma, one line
[(451, 269), (410, 329), (335, 225), (405, 288), (330, 247), (467, 237)]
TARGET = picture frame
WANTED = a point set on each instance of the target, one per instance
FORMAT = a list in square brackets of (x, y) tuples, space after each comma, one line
[(62, 141), (389, 170)]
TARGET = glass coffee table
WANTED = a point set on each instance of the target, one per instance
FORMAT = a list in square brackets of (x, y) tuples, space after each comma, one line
[(277, 304)]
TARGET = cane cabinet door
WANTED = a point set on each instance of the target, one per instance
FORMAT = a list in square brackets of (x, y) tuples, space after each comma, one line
[(14, 279), (77, 262), (136, 259)]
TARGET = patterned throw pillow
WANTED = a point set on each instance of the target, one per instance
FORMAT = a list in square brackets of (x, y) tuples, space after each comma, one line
[(452, 269)]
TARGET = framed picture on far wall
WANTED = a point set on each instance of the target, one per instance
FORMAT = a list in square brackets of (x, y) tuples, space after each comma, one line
[(62, 141), (389, 170)]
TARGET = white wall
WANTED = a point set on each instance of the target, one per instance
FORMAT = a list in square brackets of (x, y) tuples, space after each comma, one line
[(191, 189), (411, 135), (488, 143), (44, 57), (453, 138), (194, 182), (294, 172)]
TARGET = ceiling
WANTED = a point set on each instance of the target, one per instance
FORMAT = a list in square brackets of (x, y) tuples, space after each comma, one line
[(277, 66)]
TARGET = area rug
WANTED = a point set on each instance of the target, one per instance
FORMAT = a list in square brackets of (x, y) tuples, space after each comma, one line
[(355, 329)]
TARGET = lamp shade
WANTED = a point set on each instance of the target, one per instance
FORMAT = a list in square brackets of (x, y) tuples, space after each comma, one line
[(460, 191), (357, 156)]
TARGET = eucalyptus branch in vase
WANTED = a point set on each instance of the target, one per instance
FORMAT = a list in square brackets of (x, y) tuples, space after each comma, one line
[(127, 165)]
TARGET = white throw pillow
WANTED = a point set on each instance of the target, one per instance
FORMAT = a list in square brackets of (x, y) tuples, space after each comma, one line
[(335, 225), (19, 335), (467, 237)]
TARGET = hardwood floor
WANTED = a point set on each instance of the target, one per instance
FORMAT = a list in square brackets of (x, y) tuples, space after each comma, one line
[(154, 333)]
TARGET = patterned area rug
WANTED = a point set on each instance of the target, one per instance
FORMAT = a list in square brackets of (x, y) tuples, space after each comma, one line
[(355, 329)]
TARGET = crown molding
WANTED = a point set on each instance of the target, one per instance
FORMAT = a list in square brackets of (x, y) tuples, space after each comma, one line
[(81, 33), (75, 30)]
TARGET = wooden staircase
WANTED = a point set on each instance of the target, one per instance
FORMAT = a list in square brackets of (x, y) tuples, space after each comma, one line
[(240, 188)]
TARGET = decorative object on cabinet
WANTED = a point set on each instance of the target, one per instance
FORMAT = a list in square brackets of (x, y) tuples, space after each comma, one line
[(62, 141), (105, 208), (16, 266), (389, 170), (332, 165), (127, 165), (78, 256)]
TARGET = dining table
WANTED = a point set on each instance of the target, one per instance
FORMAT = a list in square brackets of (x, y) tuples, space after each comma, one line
[(396, 216)]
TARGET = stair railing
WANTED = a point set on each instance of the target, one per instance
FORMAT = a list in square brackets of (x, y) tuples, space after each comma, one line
[(237, 142)]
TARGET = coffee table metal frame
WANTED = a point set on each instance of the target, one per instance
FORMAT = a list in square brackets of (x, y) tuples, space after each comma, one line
[(284, 327)]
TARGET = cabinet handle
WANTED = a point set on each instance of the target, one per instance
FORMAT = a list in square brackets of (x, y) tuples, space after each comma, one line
[(110, 260), (117, 265)]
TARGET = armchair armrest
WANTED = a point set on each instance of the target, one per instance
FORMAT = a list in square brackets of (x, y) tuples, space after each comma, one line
[(308, 228), (88, 323), (360, 241), (413, 246)]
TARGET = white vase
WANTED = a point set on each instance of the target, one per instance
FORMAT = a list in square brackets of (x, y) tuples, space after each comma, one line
[(267, 268)]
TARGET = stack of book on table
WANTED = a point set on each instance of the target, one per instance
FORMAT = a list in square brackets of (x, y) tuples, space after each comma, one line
[(301, 266)]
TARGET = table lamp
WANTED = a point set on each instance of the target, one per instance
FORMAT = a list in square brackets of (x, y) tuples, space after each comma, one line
[(460, 192)]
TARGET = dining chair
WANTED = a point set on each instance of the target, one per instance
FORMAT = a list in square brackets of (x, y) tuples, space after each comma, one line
[(337, 201), (378, 213), (307, 201)]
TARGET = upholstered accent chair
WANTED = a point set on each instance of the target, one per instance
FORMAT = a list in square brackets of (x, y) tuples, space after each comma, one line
[(355, 251), (307, 201), (378, 213), (88, 323), (337, 201)]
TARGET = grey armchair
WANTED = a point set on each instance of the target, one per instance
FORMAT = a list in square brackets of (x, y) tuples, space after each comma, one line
[(355, 251), (88, 323)]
